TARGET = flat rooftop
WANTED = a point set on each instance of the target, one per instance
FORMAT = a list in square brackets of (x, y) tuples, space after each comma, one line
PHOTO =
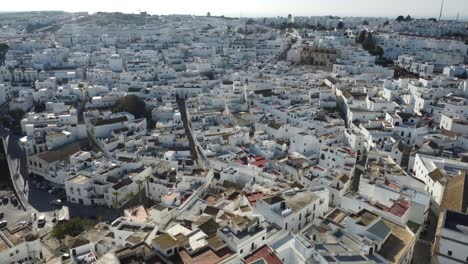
[(397, 244), (364, 217), (455, 220), (79, 179), (301, 199), (206, 256)]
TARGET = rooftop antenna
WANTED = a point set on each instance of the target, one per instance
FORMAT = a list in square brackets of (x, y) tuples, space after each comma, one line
[(458, 16), (441, 7)]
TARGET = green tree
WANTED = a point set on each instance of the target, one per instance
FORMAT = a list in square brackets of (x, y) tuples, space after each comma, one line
[(4, 47), (139, 182), (340, 25), (39, 107), (3, 50), (361, 37), (209, 74), (117, 204), (17, 114), (386, 23), (132, 104), (365, 22), (400, 18), (377, 51), (250, 21), (130, 196), (369, 42), (464, 75), (147, 180), (72, 227)]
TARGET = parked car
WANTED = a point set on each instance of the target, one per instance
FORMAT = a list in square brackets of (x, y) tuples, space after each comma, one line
[(22, 223), (3, 224), (41, 221), (2, 215), (56, 202)]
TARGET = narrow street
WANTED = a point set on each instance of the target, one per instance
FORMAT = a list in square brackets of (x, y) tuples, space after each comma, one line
[(194, 148)]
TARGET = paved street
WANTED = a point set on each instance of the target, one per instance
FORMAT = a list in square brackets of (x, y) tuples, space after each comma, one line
[(40, 200), (423, 247), (36, 198), (13, 213)]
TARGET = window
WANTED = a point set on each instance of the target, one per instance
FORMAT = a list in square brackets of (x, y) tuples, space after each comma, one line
[(449, 253)]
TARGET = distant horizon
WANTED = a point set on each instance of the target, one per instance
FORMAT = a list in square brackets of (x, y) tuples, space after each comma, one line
[(460, 19), (258, 8)]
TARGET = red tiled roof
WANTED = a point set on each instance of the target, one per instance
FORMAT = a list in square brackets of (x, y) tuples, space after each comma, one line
[(210, 200), (254, 197), (206, 256), (240, 161), (399, 208), (263, 253), (260, 163)]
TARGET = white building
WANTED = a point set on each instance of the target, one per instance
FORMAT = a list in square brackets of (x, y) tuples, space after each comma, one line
[(292, 210)]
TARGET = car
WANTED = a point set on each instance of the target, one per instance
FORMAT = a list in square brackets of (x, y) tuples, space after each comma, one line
[(21, 223), (56, 202), (41, 221), (65, 256), (3, 224), (2, 215), (51, 191)]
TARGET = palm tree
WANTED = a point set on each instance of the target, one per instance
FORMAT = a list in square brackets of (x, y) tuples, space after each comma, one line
[(147, 178), (130, 196), (116, 204), (139, 182)]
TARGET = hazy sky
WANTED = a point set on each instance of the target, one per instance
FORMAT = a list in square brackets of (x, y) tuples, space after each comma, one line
[(416, 8)]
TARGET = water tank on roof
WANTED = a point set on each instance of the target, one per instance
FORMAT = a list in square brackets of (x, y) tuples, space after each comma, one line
[(286, 212)]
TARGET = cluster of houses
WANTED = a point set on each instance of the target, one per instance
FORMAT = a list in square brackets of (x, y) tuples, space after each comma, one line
[(259, 144)]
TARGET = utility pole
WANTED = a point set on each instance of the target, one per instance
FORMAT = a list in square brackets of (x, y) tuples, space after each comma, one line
[(441, 7)]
